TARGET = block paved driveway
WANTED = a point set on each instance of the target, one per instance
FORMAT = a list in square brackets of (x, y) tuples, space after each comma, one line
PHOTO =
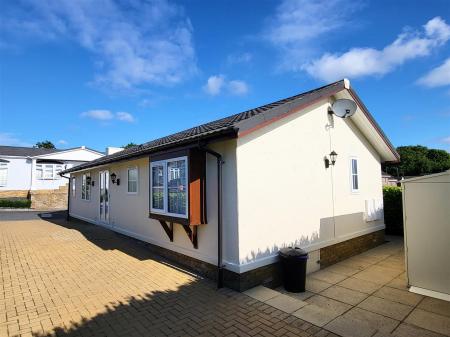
[(76, 279)]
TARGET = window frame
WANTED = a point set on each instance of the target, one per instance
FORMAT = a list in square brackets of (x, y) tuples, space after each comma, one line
[(164, 211), (4, 167), (137, 179), (74, 187), (41, 167), (85, 187), (352, 174)]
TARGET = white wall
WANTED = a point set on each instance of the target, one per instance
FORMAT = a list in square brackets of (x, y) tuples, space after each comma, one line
[(426, 210), (286, 195), (19, 174), (129, 212)]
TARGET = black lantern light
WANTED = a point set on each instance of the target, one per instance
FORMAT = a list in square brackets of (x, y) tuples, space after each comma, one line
[(113, 178), (333, 156), (331, 160)]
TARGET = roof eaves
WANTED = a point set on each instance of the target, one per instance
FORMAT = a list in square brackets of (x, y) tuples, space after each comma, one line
[(375, 125), (141, 151)]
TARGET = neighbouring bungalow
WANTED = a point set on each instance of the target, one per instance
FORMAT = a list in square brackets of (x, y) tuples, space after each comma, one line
[(28, 172), (224, 197)]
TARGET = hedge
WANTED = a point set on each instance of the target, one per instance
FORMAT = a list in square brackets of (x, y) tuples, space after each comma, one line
[(15, 203), (393, 211)]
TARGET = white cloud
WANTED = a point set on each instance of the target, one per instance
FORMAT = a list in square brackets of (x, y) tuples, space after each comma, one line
[(217, 84), (299, 26), (102, 115), (237, 87), (360, 62), (214, 84), (11, 139), (437, 77), (62, 142), (125, 117), (135, 42), (107, 115), (446, 140)]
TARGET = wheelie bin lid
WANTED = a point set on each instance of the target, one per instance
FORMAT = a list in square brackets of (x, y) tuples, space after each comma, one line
[(293, 253)]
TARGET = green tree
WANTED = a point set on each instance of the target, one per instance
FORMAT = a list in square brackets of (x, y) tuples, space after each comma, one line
[(46, 144), (131, 144), (419, 160)]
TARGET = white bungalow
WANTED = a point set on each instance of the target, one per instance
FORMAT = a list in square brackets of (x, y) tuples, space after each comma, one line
[(25, 169), (225, 196)]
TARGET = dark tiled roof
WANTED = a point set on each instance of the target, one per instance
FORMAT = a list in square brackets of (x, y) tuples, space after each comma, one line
[(237, 122), (20, 151)]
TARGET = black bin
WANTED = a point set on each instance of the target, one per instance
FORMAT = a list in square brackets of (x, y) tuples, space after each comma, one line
[(293, 261)]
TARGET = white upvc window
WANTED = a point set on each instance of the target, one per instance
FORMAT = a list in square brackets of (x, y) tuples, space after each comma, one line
[(48, 171), (3, 174), (354, 174), (57, 168), (85, 186), (74, 186), (132, 180), (169, 188)]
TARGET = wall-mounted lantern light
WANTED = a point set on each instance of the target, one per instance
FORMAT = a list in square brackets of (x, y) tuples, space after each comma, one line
[(331, 160), (114, 179), (92, 183)]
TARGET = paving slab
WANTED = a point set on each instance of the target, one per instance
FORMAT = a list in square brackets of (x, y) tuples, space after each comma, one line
[(435, 305), (377, 274), (345, 295), (385, 307), (329, 304), (286, 303), (327, 276), (407, 330), (397, 295), (261, 293), (430, 321), (349, 327), (342, 269), (376, 321), (316, 286), (315, 315), (392, 264), (399, 282), (360, 285), (299, 296), (358, 263)]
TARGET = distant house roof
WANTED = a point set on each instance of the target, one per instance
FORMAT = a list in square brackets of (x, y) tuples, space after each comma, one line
[(19, 151), (232, 126)]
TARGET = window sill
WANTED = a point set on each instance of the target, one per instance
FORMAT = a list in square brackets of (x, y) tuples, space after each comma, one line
[(169, 218)]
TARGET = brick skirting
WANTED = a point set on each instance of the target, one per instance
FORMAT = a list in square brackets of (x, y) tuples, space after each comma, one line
[(343, 250), (269, 275)]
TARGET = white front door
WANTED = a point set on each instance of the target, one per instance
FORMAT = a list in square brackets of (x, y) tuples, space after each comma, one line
[(104, 197)]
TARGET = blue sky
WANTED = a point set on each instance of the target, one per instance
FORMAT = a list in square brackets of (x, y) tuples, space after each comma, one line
[(104, 73)]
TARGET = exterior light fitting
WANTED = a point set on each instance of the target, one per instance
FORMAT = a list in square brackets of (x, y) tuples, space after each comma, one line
[(331, 160)]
